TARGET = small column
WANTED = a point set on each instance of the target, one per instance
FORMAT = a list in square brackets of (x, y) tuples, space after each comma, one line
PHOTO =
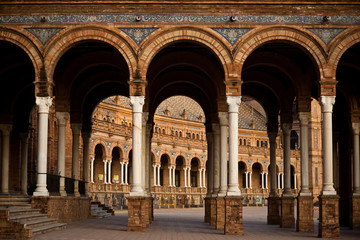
[(75, 127), (204, 170), (295, 181), (262, 180), (304, 118), (62, 118), (210, 173), (109, 173), (170, 178), (355, 218), (173, 176), (189, 173), (266, 180), (233, 186), (246, 180), (155, 180), (286, 128), (250, 180), (200, 183), (282, 180), (223, 119), (86, 157), (105, 171), (137, 106), (185, 177), (44, 103), (272, 139), (216, 158), (5, 129), (24, 160), (126, 173), (92, 170), (158, 175), (279, 183), (122, 173)]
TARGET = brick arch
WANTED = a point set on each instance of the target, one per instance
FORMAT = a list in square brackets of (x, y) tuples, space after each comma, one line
[(246, 165), (28, 43), (128, 153), (116, 38), (103, 145), (262, 36), (168, 155), (198, 159), (261, 164), (170, 35), (339, 46), (121, 149)]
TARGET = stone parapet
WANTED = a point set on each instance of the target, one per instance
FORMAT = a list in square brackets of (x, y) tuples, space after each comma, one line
[(287, 212), (220, 213), (355, 213), (274, 208), (329, 216), (305, 214), (233, 216)]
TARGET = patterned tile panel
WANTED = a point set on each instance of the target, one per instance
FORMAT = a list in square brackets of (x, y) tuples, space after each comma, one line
[(138, 34), (43, 34), (232, 34), (326, 34), (187, 18)]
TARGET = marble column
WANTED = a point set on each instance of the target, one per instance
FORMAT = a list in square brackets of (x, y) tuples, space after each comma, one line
[(105, 171), (272, 139), (304, 118), (223, 119), (158, 175), (262, 180), (86, 160), (189, 174), (44, 103), (170, 178), (148, 158), (286, 129), (216, 157), (155, 175), (6, 129), (137, 106), (233, 186), (200, 177), (279, 181), (266, 181), (126, 173), (356, 168), (210, 178), (185, 177), (327, 103), (250, 180), (24, 137), (144, 153), (92, 170), (109, 171), (246, 180), (173, 176), (62, 118), (76, 128), (122, 174), (204, 171)]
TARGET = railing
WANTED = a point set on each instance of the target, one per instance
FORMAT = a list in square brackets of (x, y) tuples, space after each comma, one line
[(53, 184)]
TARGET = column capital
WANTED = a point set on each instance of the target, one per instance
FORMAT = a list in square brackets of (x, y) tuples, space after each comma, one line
[(44, 103), (327, 103), (62, 117), (24, 136), (233, 102), (86, 136), (137, 103), (223, 118), (145, 117), (215, 128), (76, 128), (286, 128), (272, 136), (5, 129), (304, 117), (356, 127)]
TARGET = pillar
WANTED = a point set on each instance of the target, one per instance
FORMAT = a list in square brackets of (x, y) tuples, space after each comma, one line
[(355, 213), (246, 180), (122, 173), (6, 129), (223, 119), (170, 178), (137, 105), (24, 161), (262, 180), (200, 178), (158, 175), (148, 158), (76, 128), (250, 180), (109, 171), (173, 176), (188, 175), (204, 171), (92, 170), (126, 173), (44, 103), (287, 199), (62, 118), (105, 171), (155, 174), (216, 158), (86, 158)]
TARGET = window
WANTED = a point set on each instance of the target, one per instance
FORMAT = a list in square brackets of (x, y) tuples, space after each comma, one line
[(315, 139)]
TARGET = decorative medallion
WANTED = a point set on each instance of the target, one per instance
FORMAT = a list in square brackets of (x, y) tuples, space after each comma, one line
[(326, 34), (43, 34), (138, 34), (232, 34)]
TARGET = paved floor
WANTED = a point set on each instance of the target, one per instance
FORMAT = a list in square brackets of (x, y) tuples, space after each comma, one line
[(180, 224)]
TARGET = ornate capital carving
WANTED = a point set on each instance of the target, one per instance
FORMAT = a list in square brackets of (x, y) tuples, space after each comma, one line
[(356, 128), (233, 102), (76, 128), (44, 103), (137, 103), (5, 129), (62, 117), (223, 118), (286, 128), (327, 103), (304, 118)]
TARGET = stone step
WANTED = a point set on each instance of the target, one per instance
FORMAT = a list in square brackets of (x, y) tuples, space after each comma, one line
[(14, 205), (27, 217), (48, 228), (38, 222), (22, 211)]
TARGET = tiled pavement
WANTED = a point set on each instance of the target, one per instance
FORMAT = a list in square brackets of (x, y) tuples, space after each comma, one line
[(180, 224)]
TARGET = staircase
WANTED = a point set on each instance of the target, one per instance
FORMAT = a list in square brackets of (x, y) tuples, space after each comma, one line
[(19, 220), (99, 211)]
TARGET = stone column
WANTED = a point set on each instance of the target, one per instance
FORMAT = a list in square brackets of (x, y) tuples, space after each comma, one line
[(62, 118), (233, 186), (210, 178), (158, 175), (355, 207), (5, 129), (185, 177), (266, 181), (148, 159), (200, 183), (272, 139), (170, 178), (223, 118), (287, 200), (109, 169), (126, 173), (204, 170), (173, 176), (155, 180), (246, 180), (188, 175), (92, 170), (122, 173), (105, 171), (86, 158), (250, 180), (216, 157), (76, 128), (137, 105), (282, 181), (262, 180), (44, 103), (24, 160)]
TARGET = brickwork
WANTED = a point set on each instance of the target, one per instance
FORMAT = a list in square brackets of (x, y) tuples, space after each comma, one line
[(274, 208), (287, 212), (305, 214), (355, 217), (212, 211), (12, 230), (138, 213), (233, 216), (220, 213), (207, 210), (64, 209), (329, 216)]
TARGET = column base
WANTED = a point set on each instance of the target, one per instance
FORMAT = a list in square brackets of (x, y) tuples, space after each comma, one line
[(287, 212), (329, 216), (233, 216), (355, 213), (220, 213), (138, 213), (274, 208), (207, 210), (212, 211), (305, 214)]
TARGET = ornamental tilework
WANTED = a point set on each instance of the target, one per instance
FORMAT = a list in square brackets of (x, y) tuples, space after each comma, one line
[(232, 34), (326, 34), (43, 34), (187, 18), (138, 34)]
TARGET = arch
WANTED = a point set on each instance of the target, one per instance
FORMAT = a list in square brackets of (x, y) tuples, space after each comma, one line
[(121, 150), (263, 35), (28, 43), (102, 145), (255, 165), (339, 46), (169, 35), (117, 39)]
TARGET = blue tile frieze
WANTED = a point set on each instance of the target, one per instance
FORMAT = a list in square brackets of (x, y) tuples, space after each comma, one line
[(232, 34), (176, 18), (326, 34), (138, 34), (43, 34)]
